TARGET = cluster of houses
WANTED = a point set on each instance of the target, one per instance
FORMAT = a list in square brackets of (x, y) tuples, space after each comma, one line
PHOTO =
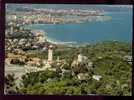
[(23, 39)]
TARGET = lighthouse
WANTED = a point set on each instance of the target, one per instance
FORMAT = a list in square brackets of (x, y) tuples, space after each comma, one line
[(50, 54)]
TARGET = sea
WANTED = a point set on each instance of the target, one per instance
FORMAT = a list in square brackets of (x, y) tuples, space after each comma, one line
[(119, 28)]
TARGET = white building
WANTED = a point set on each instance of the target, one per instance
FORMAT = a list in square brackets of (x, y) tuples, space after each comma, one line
[(50, 53), (79, 58), (97, 77)]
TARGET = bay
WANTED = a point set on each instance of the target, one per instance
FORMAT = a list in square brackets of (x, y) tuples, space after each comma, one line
[(119, 29)]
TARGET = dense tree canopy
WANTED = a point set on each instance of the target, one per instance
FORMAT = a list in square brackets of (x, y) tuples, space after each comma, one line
[(108, 61)]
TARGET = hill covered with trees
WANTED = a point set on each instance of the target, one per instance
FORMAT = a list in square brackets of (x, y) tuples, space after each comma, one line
[(111, 60)]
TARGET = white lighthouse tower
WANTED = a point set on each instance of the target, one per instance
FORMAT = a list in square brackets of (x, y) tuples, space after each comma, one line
[(50, 54), (50, 57)]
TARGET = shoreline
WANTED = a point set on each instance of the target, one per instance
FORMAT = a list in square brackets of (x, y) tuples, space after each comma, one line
[(77, 44), (53, 41), (74, 43)]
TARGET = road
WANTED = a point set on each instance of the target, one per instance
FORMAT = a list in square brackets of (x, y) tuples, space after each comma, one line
[(15, 69)]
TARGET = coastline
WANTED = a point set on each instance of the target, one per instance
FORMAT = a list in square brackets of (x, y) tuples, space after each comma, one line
[(53, 41), (72, 43), (57, 42), (69, 44)]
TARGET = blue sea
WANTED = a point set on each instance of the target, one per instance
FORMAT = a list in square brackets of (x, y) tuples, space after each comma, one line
[(119, 29)]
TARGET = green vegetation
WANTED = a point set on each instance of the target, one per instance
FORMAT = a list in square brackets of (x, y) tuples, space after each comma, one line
[(108, 61)]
